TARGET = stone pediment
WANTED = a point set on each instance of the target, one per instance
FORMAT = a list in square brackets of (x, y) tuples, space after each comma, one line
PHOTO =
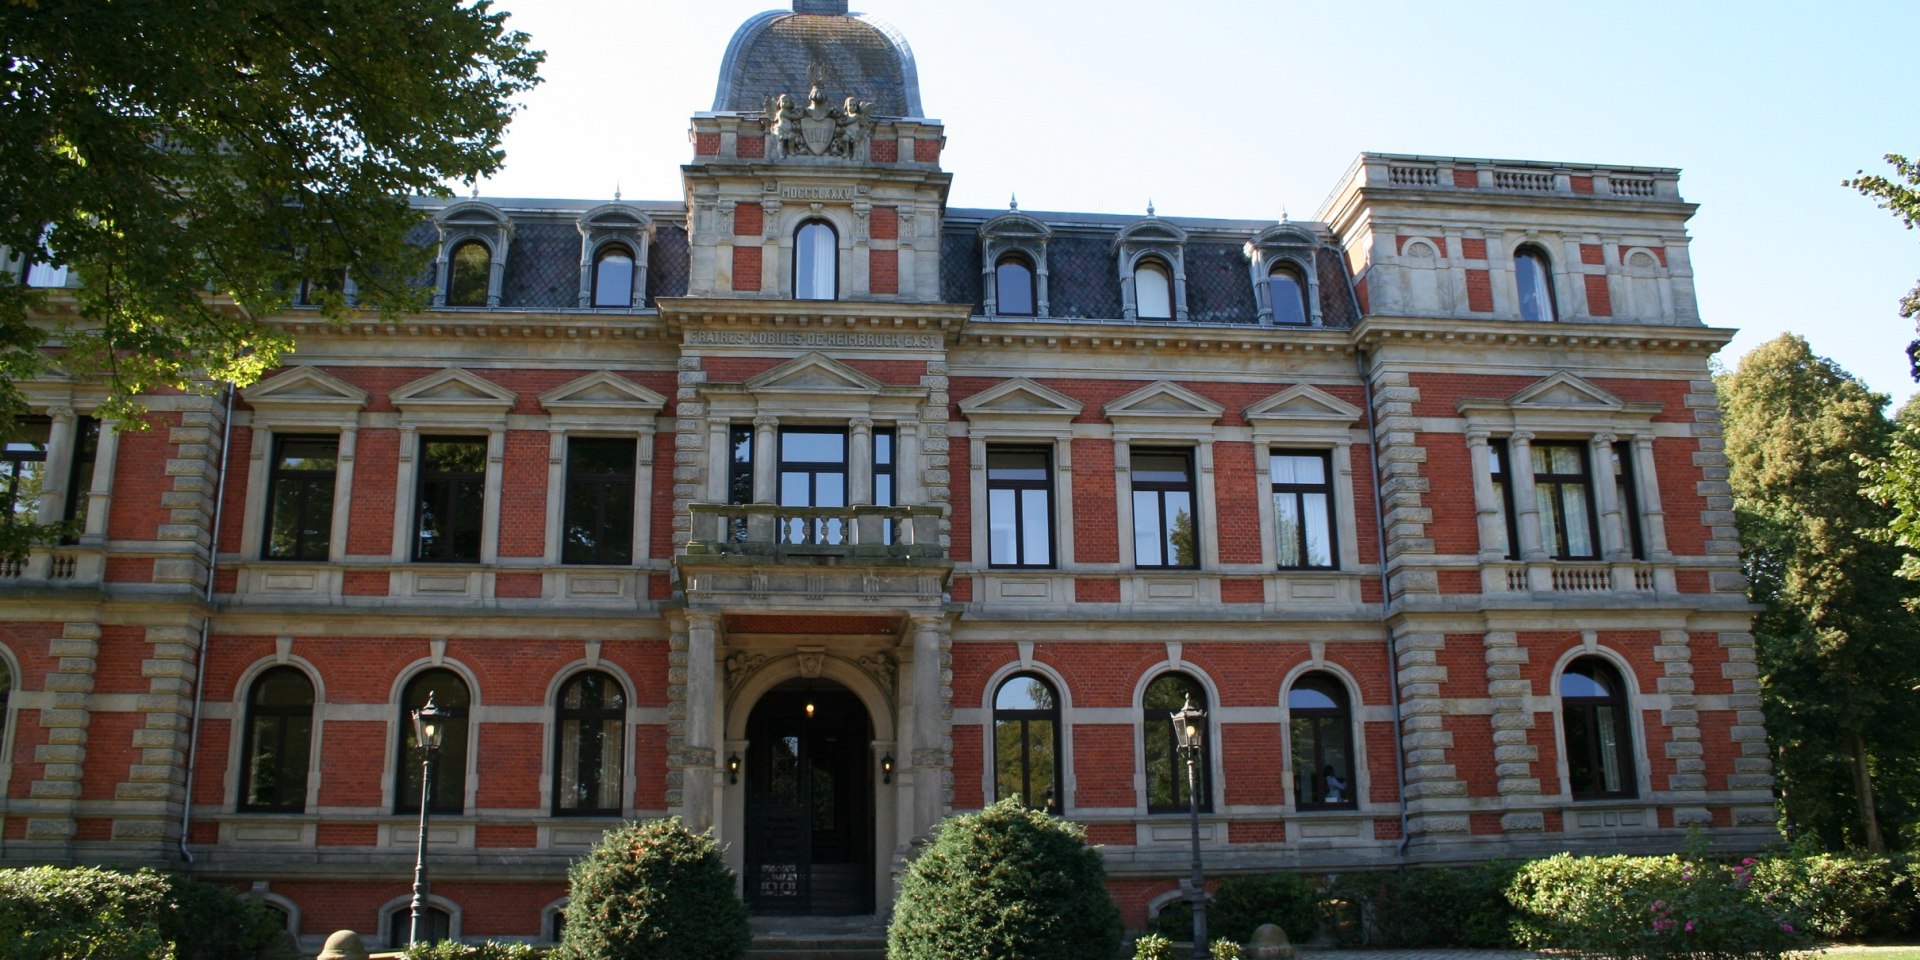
[(453, 390), (602, 395), (1165, 400), (1566, 391), (1020, 398), (1014, 225), (813, 373), (1304, 402), (306, 387), (1150, 230)]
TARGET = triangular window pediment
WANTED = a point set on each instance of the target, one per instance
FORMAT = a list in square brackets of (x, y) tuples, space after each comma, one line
[(814, 373), (453, 388), (305, 386), (1165, 399), (1563, 390), (603, 393), (1021, 397), (1303, 402)]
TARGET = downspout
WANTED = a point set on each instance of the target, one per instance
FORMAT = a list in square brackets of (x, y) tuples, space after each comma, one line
[(1393, 661), (206, 624)]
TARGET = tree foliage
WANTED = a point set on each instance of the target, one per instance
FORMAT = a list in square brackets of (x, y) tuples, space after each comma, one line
[(193, 163), (1899, 194), (1838, 648)]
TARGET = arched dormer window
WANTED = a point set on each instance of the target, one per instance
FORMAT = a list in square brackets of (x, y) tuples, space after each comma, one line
[(1320, 726), (613, 276), (1533, 279), (1593, 706), (1026, 742), (1166, 768), (1013, 286), (1287, 292), (450, 694), (278, 742), (816, 262), (1152, 290), (468, 270)]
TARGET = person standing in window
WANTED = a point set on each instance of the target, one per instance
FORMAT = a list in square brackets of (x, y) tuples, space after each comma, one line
[(1336, 787)]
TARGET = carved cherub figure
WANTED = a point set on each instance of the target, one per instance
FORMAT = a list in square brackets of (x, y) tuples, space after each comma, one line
[(852, 122), (783, 117)]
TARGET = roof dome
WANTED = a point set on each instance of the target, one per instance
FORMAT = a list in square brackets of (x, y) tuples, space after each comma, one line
[(853, 55)]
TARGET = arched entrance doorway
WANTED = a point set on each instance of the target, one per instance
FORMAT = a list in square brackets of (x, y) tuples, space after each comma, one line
[(809, 803)]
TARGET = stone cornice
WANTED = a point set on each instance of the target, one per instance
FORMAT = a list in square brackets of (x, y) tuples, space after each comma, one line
[(1118, 335), (1375, 332), (681, 314)]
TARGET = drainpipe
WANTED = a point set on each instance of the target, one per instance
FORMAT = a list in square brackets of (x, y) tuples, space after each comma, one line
[(1393, 661), (206, 623)]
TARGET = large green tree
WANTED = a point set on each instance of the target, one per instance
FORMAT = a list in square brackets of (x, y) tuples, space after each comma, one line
[(1839, 651), (193, 163), (1899, 194)]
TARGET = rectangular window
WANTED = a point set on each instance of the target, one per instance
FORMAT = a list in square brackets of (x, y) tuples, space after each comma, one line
[(813, 473), (1563, 487), (740, 473), (300, 497), (598, 528), (80, 478), (1503, 495), (1020, 507), (452, 499), (1303, 509), (884, 477), (1628, 491), (1165, 535), (23, 470)]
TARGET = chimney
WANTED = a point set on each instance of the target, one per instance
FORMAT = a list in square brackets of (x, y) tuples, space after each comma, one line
[(829, 8)]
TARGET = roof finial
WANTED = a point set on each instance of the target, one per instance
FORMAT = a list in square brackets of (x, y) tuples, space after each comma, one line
[(1149, 206), (473, 189), (1283, 213), (616, 191), (1013, 201)]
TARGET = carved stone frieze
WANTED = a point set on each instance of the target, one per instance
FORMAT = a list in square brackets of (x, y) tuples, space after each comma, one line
[(740, 665), (882, 667), (812, 661), (818, 129)]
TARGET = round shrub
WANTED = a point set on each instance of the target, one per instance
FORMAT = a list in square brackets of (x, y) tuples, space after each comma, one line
[(1840, 897), (1648, 908), (1006, 883), (654, 891)]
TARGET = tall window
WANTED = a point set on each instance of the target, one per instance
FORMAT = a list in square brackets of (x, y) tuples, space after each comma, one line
[(885, 477), (1166, 767), (613, 276), (1026, 742), (450, 694), (300, 497), (1320, 724), (1563, 485), (1020, 507), (1628, 493), (813, 473), (590, 743), (1164, 533), (1503, 494), (86, 450), (453, 482), (1593, 703), (469, 275), (1303, 508), (1287, 291), (436, 925), (40, 273), (23, 470), (1535, 284), (740, 473), (1013, 286), (816, 262), (1152, 290), (278, 742), (599, 521)]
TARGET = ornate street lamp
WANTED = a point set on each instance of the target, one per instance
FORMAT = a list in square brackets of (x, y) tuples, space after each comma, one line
[(429, 728), (1187, 736)]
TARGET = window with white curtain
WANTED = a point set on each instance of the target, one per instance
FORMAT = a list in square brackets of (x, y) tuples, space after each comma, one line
[(816, 262)]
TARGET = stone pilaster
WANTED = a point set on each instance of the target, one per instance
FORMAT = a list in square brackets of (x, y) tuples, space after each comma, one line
[(936, 471), (195, 469), (65, 719), (1687, 786), (1753, 768), (676, 709), (689, 449), (1513, 754), (1403, 486), (154, 791), (1723, 539), (1433, 788)]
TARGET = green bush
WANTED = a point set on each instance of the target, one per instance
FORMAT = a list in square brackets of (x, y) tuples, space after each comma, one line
[(1153, 946), (1840, 897), (1242, 903), (1224, 949), (54, 913), (1647, 908), (455, 950), (653, 891), (1442, 907), (1006, 883)]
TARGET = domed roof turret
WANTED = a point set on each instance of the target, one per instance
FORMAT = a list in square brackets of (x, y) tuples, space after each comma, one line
[(849, 55)]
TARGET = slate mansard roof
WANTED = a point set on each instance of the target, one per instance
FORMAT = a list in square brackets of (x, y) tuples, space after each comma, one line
[(856, 55)]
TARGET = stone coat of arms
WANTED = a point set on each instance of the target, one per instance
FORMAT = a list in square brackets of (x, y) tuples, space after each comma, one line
[(818, 129)]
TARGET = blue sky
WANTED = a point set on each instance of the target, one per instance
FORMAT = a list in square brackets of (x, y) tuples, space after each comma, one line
[(1242, 109)]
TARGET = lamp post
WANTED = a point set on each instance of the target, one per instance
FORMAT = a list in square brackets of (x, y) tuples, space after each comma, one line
[(1187, 734), (429, 726)]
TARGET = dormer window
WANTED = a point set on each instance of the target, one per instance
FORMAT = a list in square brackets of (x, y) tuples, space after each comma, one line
[(816, 262), (1013, 282), (468, 273), (613, 276), (1153, 290), (1287, 291), (1534, 282)]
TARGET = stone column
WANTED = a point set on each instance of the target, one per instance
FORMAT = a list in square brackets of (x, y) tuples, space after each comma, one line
[(1651, 514), (1526, 506), (60, 444), (100, 498), (696, 760), (766, 459), (1614, 544), (1487, 505), (859, 462), (932, 757)]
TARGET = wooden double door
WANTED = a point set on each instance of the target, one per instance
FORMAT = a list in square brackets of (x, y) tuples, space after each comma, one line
[(809, 806)]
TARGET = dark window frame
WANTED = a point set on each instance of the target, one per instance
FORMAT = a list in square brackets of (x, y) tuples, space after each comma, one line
[(798, 232), (1291, 270), (1019, 486), (1155, 261), (615, 715), (608, 548), (1018, 259), (454, 502), (86, 455), (1627, 490), (249, 744), (1501, 474), (400, 923), (1157, 726), (14, 461), (1055, 802), (276, 475), (1585, 712), (1160, 488), (451, 766), (1549, 485), (600, 256), (740, 473), (454, 274), (1337, 719), (1549, 298), (1299, 492)]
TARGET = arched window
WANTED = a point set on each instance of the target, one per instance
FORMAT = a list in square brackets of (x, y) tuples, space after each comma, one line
[(1166, 767), (1320, 724), (278, 742), (6, 693), (816, 262), (613, 276), (469, 275), (1535, 283), (1013, 286), (589, 743), (1287, 292), (450, 694), (1593, 703), (1152, 290), (436, 925), (1026, 742)]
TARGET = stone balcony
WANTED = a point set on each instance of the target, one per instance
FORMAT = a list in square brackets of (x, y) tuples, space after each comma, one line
[(762, 555)]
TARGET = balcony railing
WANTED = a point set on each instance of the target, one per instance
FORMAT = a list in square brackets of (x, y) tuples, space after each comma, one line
[(853, 533), (1562, 577)]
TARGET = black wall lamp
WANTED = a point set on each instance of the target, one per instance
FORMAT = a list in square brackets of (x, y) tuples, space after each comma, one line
[(733, 768), (886, 768)]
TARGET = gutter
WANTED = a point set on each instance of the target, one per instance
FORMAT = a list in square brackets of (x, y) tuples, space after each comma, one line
[(206, 625)]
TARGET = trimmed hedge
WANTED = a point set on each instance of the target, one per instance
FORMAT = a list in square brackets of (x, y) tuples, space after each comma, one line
[(1844, 897), (53, 913), (654, 891), (1242, 902), (455, 950), (1648, 908), (1435, 907)]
